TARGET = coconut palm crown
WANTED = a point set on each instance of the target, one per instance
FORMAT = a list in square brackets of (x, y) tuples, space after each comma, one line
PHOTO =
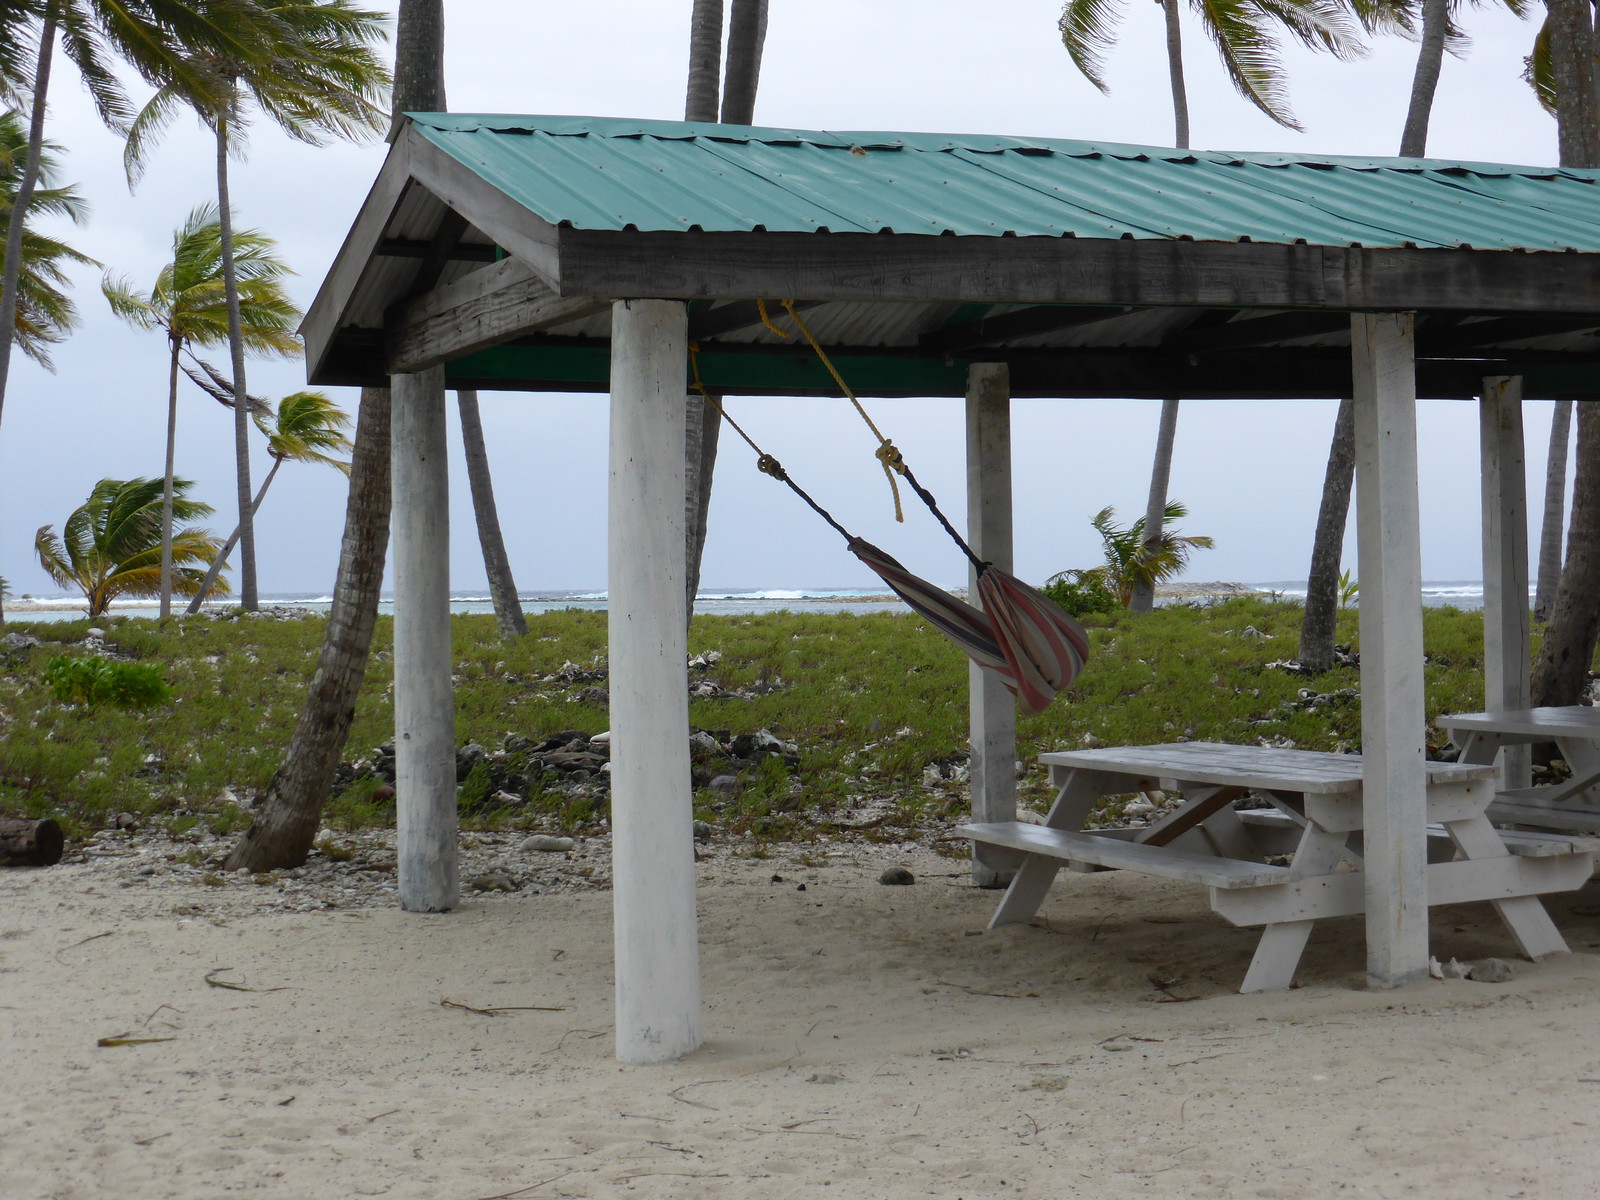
[(111, 544)]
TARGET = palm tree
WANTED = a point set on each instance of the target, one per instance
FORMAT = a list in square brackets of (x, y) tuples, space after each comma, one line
[(1561, 673), (1242, 31), (1555, 504), (1134, 560), (142, 33), (307, 427), (1439, 33), (111, 544), (189, 304), (747, 33), (45, 313), (289, 810), (145, 34), (318, 79)]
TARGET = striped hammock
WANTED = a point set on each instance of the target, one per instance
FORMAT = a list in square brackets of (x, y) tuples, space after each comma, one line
[(1030, 642)]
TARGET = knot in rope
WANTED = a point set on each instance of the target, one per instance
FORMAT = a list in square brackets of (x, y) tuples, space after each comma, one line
[(889, 455), (768, 465)]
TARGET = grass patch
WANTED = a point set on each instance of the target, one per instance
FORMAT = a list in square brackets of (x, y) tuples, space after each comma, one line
[(875, 703)]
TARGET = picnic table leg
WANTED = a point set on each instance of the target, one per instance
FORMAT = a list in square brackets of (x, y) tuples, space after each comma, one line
[(1027, 890), (1278, 953), (1525, 916)]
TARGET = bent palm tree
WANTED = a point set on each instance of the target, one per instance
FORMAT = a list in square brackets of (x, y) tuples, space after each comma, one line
[(189, 304), (318, 79), (1134, 560), (308, 427), (111, 544)]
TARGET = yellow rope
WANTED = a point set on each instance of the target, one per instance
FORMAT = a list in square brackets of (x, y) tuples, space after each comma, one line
[(886, 453), (761, 308)]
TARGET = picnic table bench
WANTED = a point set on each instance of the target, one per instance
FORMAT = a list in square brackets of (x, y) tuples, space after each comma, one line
[(1575, 729), (1315, 819)]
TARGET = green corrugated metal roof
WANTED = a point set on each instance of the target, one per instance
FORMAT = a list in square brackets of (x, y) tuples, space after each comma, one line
[(606, 174)]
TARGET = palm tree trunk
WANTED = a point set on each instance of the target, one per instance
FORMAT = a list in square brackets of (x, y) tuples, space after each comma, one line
[(702, 425), (1430, 57), (1555, 510), (1180, 93), (1322, 580), (747, 38), (705, 60), (419, 57), (1562, 673), (15, 225), (248, 598), (166, 481), (1155, 512), (221, 559), (502, 587), (1143, 598), (290, 809)]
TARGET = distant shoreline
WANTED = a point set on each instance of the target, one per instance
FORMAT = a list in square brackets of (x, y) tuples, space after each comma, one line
[(1467, 594)]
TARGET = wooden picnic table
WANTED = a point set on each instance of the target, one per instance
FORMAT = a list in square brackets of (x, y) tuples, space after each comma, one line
[(1316, 800), (1575, 729)]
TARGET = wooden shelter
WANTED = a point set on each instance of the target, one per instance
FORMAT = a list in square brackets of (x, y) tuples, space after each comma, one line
[(587, 254)]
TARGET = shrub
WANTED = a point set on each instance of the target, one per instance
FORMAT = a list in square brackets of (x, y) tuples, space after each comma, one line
[(98, 680), (1081, 593)]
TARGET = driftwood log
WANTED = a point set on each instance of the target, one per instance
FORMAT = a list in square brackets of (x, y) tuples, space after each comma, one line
[(30, 843)]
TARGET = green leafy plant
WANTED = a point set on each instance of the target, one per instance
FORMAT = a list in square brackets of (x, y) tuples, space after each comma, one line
[(1349, 589), (1081, 593), (97, 680)]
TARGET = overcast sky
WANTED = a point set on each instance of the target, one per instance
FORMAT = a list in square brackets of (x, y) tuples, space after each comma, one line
[(1250, 472)]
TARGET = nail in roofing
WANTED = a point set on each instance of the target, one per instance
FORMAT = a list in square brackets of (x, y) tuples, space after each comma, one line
[(596, 173)]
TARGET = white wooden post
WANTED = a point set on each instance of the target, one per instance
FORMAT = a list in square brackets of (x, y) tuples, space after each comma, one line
[(1393, 717), (1505, 564), (992, 709), (424, 703), (652, 819)]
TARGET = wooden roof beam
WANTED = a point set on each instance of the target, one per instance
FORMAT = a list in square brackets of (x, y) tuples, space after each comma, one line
[(492, 305)]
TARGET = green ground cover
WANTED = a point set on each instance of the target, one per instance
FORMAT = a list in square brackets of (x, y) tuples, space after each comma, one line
[(874, 703)]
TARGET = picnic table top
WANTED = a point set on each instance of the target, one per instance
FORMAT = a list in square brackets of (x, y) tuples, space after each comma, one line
[(1270, 768), (1575, 720)]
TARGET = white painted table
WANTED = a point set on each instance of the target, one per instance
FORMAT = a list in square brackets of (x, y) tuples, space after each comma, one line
[(1574, 804), (1318, 796)]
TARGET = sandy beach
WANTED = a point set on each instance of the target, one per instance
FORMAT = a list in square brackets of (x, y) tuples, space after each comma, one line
[(862, 1040)]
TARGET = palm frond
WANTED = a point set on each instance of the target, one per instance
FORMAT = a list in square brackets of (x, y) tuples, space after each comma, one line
[(1088, 31), (1538, 71), (1250, 54)]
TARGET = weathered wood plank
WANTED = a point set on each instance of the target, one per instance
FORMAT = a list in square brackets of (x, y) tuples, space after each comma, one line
[(1393, 715), (1462, 882), (489, 306), (496, 214), (1506, 651), (328, 310), (1263, 768), (846, 266), (1165, 861), (992, 710), (1574, 721)]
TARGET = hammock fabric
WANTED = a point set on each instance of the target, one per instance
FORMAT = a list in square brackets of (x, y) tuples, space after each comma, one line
[(1031, 643)]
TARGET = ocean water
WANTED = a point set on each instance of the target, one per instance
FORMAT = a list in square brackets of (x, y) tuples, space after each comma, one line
[(1466, 594)]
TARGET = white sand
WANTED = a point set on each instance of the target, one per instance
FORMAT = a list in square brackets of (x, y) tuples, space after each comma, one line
[(862, 1041)]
